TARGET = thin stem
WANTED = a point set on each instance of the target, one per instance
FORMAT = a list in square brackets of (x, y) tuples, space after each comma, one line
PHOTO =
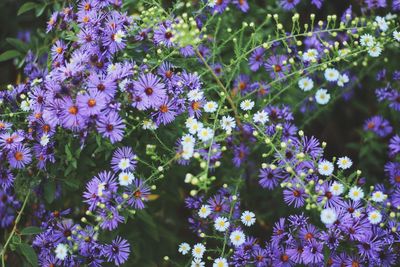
[(3, 251)]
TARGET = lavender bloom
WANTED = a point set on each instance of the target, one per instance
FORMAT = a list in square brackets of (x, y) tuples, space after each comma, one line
[(19, 156), (289, 4), (378, 125), (118, 251), (150, 90), (111, 126)]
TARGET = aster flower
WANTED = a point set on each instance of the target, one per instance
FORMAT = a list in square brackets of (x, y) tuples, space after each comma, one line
[(19, 156), (111, 126), (378, 125), (138, 194), (276, 67), (295, 197), (118, 251), (394, 145), (123, 159), (150, 90), (289, 4), (256, 59), (92, 102), (242, 5), (313, 252)]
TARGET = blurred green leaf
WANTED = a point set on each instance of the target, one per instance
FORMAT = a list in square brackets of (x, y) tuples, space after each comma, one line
[(18, 44), (26, 7), (49, 191), (28, 252), (31, 230), (10, 54)]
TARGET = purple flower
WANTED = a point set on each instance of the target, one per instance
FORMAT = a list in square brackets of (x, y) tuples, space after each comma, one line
[(58, 51), (242, 5), (372, 4), (150, 90), (313, 252), (138, 194), (71, 116), (242, 83), (166, 112), (91, 103), (256, 59), (269, 178), (123, 159), (118, 251), (240, 154), (289, 4), (295, 196), (392, 169), (19, 156), (378, 125), (163, 34), (220, 6), (394, 146), (111, 126), (275, 66), (6, 179)]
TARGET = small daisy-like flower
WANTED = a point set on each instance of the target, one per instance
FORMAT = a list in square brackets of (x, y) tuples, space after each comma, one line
[(396, 36), (375, 51), (357, 213), (367, 40), (125, 178), (344, 163), (205, 134), (374, 217), (260, 117), (195, 95), (228, 123), (248, 218), (198, 250), (328, 216), (187, 152), (237, 238), (378, 196), (26, 105), (61, 251), (306, 84), (331, 75), (221, 224), (336, 189), (220, 262), (197, 262), (204, 211), (343, 79), (382, 24), (195, 126), (44, 140), (210, 106), (310, 55), (188, 140), (247, 105), (322, 96), (356, 193), (149, 125), (325, 167), (184, 248), (119, 36)]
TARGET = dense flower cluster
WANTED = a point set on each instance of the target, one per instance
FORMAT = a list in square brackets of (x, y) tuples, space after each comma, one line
[(220, 113)]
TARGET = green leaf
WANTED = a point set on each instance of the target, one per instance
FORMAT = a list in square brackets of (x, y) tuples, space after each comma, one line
[(26, 7), (49, 191), (10, 54), (18, 44), (31, 230), (40, 9), (72, 183), (29, 254)]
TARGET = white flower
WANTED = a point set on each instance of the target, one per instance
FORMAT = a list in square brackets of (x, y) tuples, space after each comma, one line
[(260, 117), (357, 213), (322, 96), (378, 196), (198, 250), (328, 216), (336, 189), (100, 188), (228, 123), (195, 95), (193, 125), (124, 164), (396, 36), (382, 24), (210, 106), (343, 79), (375, 51), (344, 163), (237, 238), (205, 134), (149, 125), (356, 193), (306, 84), (61, 251), (374, 217), (197, 263), (44, 140), (367, 40), (188, 140), (310, 55), (220, 262), (247, 105), (248, 218), (189, 121), (325, 167), (221, 224), (119, 35), (26, 105), (187, 152), (125, 178), (184, 248), (331, 75), (204, 211)]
